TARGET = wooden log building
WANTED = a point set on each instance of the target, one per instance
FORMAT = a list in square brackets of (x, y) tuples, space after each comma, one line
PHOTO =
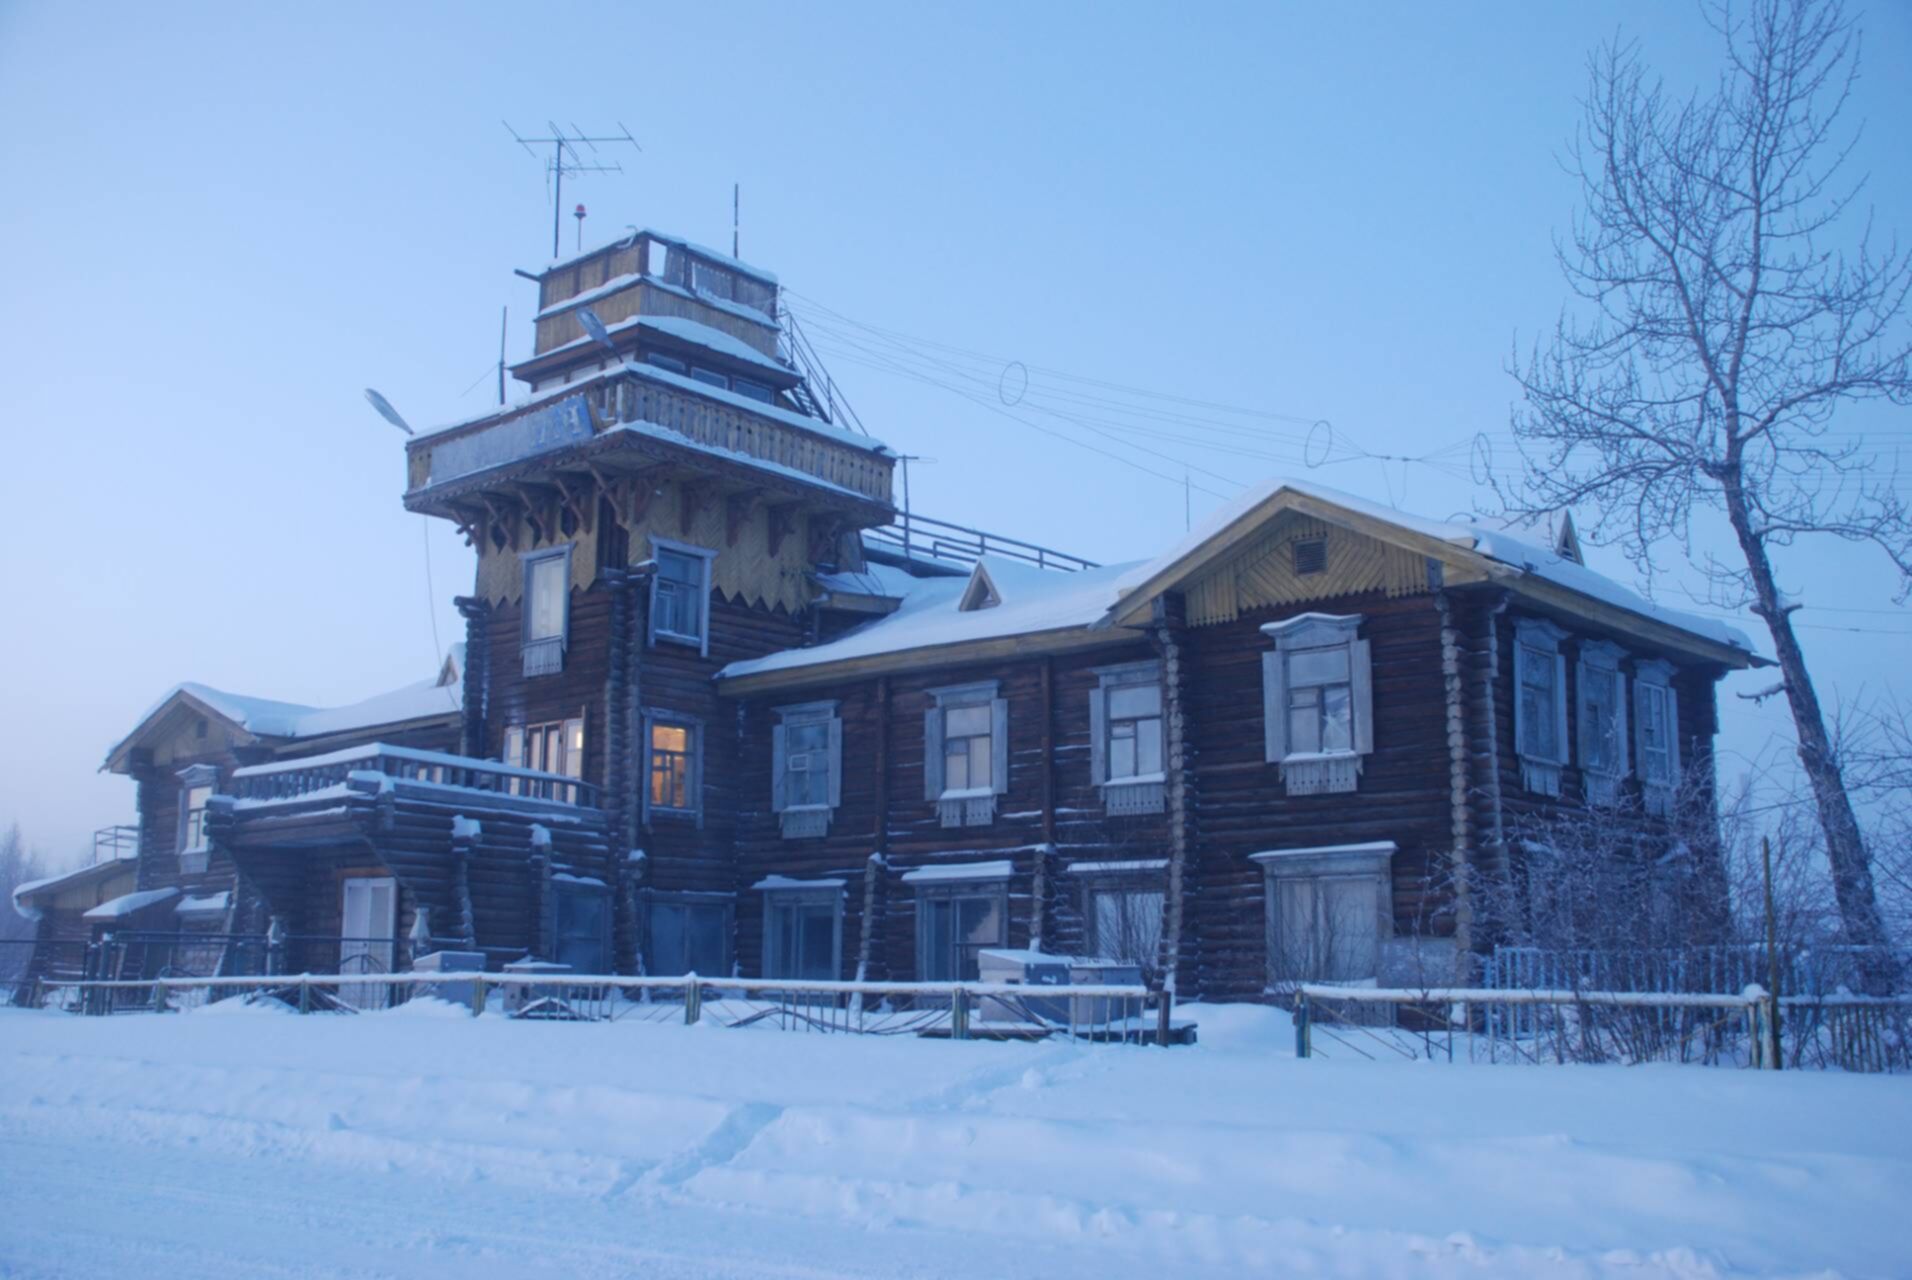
[(722, 708)]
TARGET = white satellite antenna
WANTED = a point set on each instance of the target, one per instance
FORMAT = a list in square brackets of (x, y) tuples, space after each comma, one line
[(386, 411), (595, 330)]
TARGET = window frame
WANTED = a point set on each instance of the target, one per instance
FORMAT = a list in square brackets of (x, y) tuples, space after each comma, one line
[(802, 820), (515, 747), (1317, 772), (650, 899), (707, 558), (994, 890), (791, 895), (1537, 640), (544, 654), (194, 855), (967, 806), (693, 769), (1137, 792), (1142, 876), (1653, 679), (1599, 659), (570, 886), (1368, 865)]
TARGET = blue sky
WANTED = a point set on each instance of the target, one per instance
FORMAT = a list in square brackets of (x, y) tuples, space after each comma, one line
[(223, 222)]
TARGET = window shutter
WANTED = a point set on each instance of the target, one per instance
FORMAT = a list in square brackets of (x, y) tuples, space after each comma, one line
[(1099, 736), (1522, 730), (1672, 736), (1363, 680), (836, 761), (933, 753), (999, 744), (779, 769), (1620, 723), (1562, 744), (1274, 706)]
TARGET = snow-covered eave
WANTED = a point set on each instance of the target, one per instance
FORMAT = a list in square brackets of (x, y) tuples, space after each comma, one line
[(23, 894), (119, 756), (1461, 563), (749, 680)]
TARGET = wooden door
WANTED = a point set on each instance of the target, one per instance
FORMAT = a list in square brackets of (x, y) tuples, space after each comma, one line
[(368, 925)]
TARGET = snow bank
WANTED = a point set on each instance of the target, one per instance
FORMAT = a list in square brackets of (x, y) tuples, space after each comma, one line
[(427, 1143)]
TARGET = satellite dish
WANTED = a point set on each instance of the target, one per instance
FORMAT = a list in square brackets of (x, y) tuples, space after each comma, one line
[(595, 330), (386, 411)]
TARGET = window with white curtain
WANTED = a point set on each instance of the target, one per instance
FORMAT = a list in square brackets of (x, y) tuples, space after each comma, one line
[(1317, 702)]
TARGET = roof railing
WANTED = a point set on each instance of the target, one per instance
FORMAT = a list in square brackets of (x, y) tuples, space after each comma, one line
[(296, 779), (916, 535), (113, 843)]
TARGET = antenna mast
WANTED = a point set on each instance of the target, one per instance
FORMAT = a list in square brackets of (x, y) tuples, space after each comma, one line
[(566, 158)]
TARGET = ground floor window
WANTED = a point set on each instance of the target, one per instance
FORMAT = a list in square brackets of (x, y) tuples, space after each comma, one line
[(803, 932), (1328, 911), (1124, 923), (687, 935), (951, 927)]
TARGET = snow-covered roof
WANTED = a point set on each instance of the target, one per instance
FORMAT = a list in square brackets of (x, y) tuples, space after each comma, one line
[(1036, 600), (49, 885), (791, 882), (203, 904), (958, 871), (128, 904), (691, 331), (269, 718), (631, 233)]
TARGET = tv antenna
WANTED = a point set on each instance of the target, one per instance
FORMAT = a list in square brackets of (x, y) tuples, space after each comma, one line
[(567, 155)]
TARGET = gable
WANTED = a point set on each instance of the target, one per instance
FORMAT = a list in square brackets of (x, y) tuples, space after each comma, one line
[(1267, 569), (981, 592)]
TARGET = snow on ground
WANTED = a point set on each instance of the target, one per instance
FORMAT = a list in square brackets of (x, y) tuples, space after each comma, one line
[(422, 1142)]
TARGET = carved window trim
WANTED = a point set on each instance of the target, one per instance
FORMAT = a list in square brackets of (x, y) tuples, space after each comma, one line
[(965, 806), (1140, 792), (544, 651), (1315, 772), (1537, 641), (193, 846), (799, 821), (1654, 698), (1600, 660)]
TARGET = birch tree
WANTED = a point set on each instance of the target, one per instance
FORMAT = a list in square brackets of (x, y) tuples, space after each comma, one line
[(1732, 301)]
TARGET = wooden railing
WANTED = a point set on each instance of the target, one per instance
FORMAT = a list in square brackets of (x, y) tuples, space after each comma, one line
[(298, 779)]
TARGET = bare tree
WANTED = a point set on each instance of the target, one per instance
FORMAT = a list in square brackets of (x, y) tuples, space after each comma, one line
[(1718, 337), (18, 865)]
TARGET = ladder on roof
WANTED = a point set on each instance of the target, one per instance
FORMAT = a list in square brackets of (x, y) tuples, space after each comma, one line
[(818, 393)]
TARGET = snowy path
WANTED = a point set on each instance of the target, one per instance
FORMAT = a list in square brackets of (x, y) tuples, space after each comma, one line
[(425, 1143)]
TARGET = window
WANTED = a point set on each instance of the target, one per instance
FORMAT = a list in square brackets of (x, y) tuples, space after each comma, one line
[(710, 376), (966, 752), (674, 745), (671, 363), (680, 594), (583, 924), (1603, 721), (953, 925), (755, 390), (1317, 702), (1127, 749), (1540, 704), (806, 767), (1328, 911), (195, 790), (547, 601), (556, 746), (803, 930), (1124, 923), (1311, 556), (685, 933), (1656, 739)]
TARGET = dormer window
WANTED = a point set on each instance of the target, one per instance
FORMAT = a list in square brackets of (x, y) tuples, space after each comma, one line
[(981, 592)]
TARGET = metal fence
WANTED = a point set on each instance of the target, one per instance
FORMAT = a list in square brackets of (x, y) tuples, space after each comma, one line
[(1563, 1025), (1132, 1015)]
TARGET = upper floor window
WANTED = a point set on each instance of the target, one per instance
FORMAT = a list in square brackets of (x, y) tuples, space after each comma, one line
[(680, 594), (755, 390), (556, 746), (1540, 704), (1127, 748), (674, 750), (196, 787), (1657, 735), (806, 767), (547, 609), (966, 752), (1603, 720), (662, 361), (1317, 702)]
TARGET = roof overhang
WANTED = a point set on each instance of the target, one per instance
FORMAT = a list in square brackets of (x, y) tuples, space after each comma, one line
[(1027, 644)]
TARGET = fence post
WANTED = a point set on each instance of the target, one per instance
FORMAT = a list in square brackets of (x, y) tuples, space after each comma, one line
[(693, 1001), (1303, 1041), (305, 996), (477, 994), (959, 1014), (159, 995), (1165, 1004), (1771, 1003)]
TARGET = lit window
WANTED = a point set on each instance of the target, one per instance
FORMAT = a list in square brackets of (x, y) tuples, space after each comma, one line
[(556, 746), (1317, 702), (673, 747)]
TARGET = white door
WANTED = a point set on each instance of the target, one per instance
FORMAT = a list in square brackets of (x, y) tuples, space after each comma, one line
[(368, 924)]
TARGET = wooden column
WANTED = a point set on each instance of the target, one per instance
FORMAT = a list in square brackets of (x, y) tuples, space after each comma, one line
[(1460, 787), (1167, 633), (476, 676), (879, 838)]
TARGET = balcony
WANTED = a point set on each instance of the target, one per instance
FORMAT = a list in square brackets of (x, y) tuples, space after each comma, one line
[(634, 417), (375, 767)]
